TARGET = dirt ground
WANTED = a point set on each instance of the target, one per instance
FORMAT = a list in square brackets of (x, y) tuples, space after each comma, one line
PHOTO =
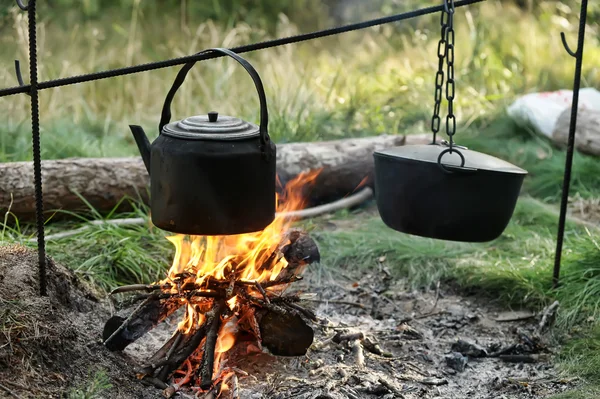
[(50, 345)]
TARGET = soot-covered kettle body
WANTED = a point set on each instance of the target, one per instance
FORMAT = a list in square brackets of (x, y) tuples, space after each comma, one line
[(211, 174)]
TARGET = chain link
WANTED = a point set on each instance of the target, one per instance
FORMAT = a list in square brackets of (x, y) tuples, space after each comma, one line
[(445, 52), (450, 87), (439, 77)]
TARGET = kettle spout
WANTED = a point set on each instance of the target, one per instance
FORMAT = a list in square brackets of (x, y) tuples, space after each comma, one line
[(143, 144)]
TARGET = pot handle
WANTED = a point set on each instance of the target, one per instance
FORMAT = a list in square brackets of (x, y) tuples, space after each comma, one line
[(453, 169), (264, 116)]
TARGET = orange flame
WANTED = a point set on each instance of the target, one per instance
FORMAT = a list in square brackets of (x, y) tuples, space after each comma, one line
[(249, 256), (226, 337), (217, 256), (362, 183)]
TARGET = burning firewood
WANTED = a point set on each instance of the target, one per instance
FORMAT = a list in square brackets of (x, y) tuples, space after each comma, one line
[(253, 304)]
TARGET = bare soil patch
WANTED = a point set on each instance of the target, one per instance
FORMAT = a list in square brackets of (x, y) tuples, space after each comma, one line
[(49, 345)]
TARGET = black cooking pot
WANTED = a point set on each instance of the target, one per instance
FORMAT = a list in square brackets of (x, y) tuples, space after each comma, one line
[(210, 174), (459, 195)]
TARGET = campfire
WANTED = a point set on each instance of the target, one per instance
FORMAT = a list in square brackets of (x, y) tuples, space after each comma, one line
[(230, 290)]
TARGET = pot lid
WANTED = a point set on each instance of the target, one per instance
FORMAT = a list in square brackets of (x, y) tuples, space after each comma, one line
[(431, 152), (211, 127)]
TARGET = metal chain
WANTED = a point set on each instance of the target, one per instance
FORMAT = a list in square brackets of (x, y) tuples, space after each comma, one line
[(450, 88), (445, 51), (439, 78)]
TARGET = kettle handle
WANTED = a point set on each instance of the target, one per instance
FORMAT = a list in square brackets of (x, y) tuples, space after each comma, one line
[(264, 116)]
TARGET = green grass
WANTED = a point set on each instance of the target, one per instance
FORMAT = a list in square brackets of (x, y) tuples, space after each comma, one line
[(582, 393), (94, 388), (105, 255)]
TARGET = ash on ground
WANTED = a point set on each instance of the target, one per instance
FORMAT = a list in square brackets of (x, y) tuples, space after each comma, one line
[(435, 344), (378, 339)]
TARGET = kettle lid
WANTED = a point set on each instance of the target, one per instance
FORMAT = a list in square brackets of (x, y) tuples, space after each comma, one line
[(211, 127)]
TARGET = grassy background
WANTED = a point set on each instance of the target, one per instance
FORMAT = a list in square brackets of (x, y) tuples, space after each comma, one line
[(365, 83), (379, 81)]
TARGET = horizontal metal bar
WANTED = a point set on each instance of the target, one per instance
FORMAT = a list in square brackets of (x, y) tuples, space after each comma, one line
[(241, 49)]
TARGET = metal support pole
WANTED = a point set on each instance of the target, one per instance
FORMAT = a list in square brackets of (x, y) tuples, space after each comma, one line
[(578, 55), (37, 152), (33, 92)]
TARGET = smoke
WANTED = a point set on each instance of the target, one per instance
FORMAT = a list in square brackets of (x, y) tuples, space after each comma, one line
[(347, 11)]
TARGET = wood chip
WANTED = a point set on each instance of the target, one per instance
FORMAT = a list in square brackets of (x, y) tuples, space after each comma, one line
[(434, 381), (393, 389), (518, 315), (357, 349)]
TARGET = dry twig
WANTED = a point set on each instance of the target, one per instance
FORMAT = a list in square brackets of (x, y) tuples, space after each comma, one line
[(235, 394), (213, 320), (437, 297), (339, 338), (137, 287), (348, 202), (528, 358), (8, 391), (262, 291), (390, 387), (548, 316), (356, 304), (374, 348)]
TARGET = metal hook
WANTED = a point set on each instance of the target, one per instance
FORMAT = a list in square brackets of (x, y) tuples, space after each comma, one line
[(22, 6), (18, 73), (566, 45)]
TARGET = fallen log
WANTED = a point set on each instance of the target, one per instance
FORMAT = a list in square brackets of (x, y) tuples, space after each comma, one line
[(104, 183)]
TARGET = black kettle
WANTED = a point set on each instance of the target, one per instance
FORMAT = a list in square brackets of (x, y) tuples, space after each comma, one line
[(210, 174)]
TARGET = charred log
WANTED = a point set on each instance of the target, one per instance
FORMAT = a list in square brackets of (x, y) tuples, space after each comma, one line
[(285, 334), (119, 332), (213, 321)]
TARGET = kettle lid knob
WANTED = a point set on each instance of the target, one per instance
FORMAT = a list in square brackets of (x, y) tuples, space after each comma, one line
[(213, 116)]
